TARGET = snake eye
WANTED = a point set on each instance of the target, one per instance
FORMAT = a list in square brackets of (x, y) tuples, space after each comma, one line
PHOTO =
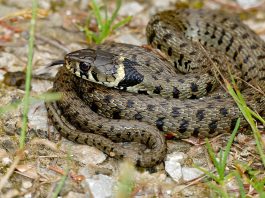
[(84, 66)]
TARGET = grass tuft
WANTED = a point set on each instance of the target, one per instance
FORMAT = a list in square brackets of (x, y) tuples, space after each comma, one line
[(220, 164), (105, 24)]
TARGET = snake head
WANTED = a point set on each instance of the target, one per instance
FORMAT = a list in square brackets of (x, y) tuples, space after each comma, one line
[(96, 66)]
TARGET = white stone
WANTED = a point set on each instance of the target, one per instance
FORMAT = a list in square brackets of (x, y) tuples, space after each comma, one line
[(6, 161), (101, 186), (128, 38), (191, 173), (28, 195), (26, 184), (130, 9), (173, 166), (247, 3), (38, 116), (87, 154)]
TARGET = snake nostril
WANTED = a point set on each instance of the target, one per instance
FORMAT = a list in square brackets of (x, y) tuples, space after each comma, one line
[(84, 66)]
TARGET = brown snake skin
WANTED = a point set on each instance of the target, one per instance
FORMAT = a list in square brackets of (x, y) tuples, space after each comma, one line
[(93, 114)]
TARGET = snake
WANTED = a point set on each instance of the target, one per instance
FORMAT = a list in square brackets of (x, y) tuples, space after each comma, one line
[(116, 93)]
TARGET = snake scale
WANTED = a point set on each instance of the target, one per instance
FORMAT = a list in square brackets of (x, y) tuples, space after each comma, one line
[(116, 92)]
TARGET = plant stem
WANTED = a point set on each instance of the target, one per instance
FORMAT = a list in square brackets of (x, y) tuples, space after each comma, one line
[(28, 75)]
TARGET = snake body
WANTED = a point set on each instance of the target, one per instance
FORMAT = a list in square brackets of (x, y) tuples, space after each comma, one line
[(168, 95)]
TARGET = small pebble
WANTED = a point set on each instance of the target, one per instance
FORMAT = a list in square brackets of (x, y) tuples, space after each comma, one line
[(26, 184)]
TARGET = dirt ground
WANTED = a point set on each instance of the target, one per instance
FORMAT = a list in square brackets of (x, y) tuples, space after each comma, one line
[(92, 173)]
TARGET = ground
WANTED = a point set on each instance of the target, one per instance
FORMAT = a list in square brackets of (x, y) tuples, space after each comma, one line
[(92, 173)]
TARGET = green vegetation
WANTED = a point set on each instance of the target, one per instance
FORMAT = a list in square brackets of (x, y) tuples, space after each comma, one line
[(126, 182), (105, 24), (28, 76), (220, 164), (248, 175)]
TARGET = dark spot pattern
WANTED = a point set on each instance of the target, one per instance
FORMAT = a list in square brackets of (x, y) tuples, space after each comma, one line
[(245, 35), (158, 89), (175, 112), (107, 98), (223, 111), (195, 132), (187, 64), (142, 92), (200, 114), (194, 87), (94, 107), (220, 40), (209, 87), (212, 126), (169, 51), (151, 37), (138, 116), (254, 46), (183, 45), (181, 56), (235, 55), (160, 123), (261, 57), (214, 31), (130, 103), (150, 107), (234, 26), (233, 124), (175, 92), (183, 126), (229, 44), (116, 114), (167, 36), (246, 59)]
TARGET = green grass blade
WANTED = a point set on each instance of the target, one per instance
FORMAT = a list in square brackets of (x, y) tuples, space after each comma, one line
[(115, 13), (43, 97), (248, 116), (213, 157), (240, 185), (9, 107), (219, 190), (122, 23), (28, 75), (223, 160), (96, 12), (208, 173)]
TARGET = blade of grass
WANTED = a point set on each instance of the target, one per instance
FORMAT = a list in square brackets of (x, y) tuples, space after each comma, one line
[(115, 13), (28, 75), (213, 157), (96, 12), (105, 26), (240, 185), (248, 116), (223, 160), (121, 23), (219, 190), (48, 97)]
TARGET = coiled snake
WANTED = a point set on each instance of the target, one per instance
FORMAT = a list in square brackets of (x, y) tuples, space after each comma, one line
[(132, 94)]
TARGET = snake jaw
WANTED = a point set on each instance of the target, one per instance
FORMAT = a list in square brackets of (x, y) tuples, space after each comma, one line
[(94, 73)]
